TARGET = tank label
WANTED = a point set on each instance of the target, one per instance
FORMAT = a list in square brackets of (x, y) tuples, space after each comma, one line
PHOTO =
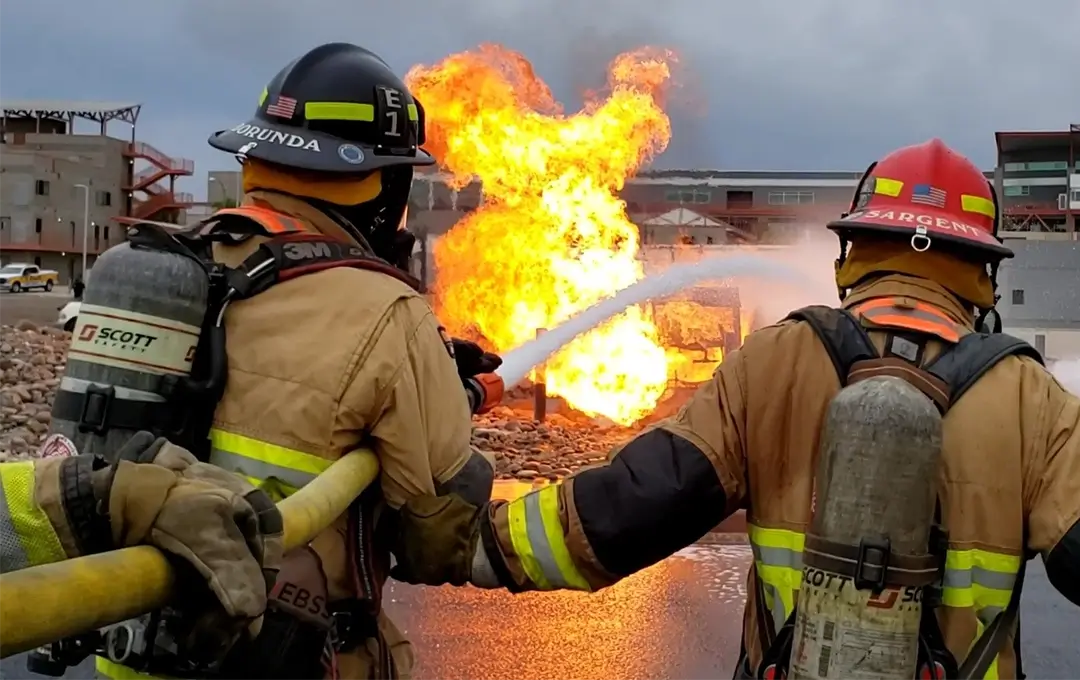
[(843, 632), (138, 342), (57, 446)]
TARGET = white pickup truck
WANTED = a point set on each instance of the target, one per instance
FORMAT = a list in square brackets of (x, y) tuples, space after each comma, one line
[(17, 277)]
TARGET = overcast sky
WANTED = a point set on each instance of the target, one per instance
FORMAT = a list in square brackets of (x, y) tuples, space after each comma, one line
[(767, 84)]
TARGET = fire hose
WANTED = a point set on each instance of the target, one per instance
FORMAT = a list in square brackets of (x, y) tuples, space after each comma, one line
[(46, 603)]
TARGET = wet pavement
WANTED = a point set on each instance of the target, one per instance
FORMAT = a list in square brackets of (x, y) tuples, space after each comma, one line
[(678, 619)]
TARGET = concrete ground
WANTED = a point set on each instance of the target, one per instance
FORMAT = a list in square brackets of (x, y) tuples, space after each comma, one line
[(39, 307)]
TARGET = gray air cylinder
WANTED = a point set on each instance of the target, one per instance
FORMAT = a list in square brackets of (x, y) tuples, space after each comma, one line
[(136, 335)]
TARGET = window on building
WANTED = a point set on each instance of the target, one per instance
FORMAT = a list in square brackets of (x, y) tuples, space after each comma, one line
[(1018, 296), (1047, 166), (1040, 343), (791, 197), (106, 232), (41, 187), (5, 222), (684, 196), (1036, 166), (740, 199), (1019, 190), (104, 198), (97, 232), (709, 240), (37, 225)]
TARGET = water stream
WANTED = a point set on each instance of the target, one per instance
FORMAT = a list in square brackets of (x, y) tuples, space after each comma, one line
[(519, 361)]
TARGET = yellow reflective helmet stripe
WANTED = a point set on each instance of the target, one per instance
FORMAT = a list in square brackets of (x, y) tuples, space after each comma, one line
[(887, 187), (27, 534), (263, 463), (978, 205), (350, 111), (537, 537)]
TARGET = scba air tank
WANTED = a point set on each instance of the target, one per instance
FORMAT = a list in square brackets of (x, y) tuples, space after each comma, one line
[(136, 337)]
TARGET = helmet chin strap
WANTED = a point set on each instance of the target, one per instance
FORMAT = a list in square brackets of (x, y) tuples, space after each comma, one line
[(980, 321)]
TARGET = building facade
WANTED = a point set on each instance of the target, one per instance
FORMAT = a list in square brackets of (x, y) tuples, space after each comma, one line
[(1040, 295), (61, 191), (223, 188), (1038, 180)]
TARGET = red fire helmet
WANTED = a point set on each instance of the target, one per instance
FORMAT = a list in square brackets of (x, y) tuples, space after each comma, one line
[(931, 192)]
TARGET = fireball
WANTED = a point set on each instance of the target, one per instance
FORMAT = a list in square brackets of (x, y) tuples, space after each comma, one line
[(551, 236)]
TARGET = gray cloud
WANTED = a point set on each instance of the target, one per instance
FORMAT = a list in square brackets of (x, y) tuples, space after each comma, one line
[(773, 84)]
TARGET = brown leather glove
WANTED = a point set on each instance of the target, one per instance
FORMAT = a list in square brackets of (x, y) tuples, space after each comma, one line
[(227, 534), (437, 540)]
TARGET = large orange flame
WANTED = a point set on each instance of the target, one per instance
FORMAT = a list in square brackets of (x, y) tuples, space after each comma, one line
[(552, 236)]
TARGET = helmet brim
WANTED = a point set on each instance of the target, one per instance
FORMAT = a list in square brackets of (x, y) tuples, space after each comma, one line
[(305, 149), (938, 224)]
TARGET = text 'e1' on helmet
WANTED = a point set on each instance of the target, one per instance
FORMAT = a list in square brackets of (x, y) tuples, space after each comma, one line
[(337, 109), (931, 192)]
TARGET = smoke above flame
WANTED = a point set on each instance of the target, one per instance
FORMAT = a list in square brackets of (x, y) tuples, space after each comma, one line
[(552, 236)]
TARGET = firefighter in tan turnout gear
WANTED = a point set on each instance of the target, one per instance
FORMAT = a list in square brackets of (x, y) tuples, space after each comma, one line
[(917, 276), (331, 347), (343, 358)]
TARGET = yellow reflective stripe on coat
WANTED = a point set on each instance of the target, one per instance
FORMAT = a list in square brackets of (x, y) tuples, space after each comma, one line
[(537, 536), (265, 464), (27, 537), (980, 579), (110, 669)]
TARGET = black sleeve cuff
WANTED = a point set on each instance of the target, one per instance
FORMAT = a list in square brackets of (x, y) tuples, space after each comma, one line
[(1063, 565), (90, 527), (658, 495)]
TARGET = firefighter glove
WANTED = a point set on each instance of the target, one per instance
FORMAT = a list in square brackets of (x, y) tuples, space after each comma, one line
[(437, 540), (472, 360), (225, 534)]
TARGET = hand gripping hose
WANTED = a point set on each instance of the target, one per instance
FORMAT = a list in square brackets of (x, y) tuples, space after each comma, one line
[(43, 604)]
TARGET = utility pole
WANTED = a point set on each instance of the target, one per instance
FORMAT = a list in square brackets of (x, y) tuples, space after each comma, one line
[(85, 224)]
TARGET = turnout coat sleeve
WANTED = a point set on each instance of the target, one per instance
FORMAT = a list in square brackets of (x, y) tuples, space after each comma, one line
[(34, 527), (1051, 481), (406, 392), (658, 493)]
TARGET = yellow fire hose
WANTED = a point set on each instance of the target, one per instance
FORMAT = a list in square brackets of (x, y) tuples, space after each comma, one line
[(44, 604)]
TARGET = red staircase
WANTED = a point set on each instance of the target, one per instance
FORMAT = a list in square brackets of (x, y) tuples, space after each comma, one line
[(160, 201)]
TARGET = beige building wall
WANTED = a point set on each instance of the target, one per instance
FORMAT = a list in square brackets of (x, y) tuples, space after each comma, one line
[(42, 208)]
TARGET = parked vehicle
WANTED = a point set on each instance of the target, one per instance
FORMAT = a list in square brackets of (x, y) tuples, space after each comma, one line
[(17, 277), (69, 315)]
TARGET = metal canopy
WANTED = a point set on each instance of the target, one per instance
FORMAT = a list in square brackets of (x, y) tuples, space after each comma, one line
[(99, 112)]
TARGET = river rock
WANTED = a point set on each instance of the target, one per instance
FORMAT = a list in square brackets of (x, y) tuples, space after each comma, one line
[(31, 365)]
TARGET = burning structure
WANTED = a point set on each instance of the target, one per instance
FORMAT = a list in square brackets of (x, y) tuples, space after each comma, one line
[(549, 235)]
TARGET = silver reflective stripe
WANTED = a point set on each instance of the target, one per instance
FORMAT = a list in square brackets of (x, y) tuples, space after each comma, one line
[(778, 615), (534, 525), (249, 467), (778, 557), (78, 386), (12, 555), (964, 578)]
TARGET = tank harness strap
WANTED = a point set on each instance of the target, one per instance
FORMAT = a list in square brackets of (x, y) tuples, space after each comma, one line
[(944, 380)]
